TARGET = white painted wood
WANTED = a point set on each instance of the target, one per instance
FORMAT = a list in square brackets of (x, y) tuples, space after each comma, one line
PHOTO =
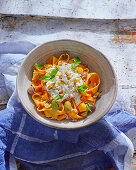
[(99, 34), (95, 9)]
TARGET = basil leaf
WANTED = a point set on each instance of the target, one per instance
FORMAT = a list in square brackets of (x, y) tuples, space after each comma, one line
[(54, 105), (88, 107), (76, 63), (57, 98), (54, 72), (76, 59), (46, 77), (82, 88), (50, 76), (39, 66)]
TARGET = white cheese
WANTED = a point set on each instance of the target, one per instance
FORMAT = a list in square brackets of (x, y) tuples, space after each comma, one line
[(69, 89)]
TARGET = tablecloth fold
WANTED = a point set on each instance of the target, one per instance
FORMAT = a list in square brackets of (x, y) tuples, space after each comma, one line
[(99, 146)]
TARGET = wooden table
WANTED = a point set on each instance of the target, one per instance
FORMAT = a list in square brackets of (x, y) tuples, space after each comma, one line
[(86, 9)]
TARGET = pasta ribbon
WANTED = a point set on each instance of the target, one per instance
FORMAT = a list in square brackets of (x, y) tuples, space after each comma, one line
[(61, 117), (35, 79), (73, 115), (52, 60), (64, 58), (36, 98), (38, 89), (91, 100), (54, 105), (82, 107), (71, 61), (85, 69), (93, 82)]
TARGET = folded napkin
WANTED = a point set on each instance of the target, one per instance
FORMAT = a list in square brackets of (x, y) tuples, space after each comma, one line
[(37, 147)]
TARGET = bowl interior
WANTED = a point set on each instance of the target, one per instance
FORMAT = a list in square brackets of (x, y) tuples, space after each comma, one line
[(96, 63)]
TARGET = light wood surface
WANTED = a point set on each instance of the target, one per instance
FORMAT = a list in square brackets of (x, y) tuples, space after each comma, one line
[(117, 9)]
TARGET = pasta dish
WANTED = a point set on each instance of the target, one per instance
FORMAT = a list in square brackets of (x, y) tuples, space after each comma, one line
[(64, 88)]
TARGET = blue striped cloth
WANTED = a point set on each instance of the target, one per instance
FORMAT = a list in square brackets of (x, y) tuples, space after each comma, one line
[(96, 147)]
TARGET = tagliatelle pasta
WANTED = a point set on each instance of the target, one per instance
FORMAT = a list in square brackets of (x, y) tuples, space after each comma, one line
[(63, 88)]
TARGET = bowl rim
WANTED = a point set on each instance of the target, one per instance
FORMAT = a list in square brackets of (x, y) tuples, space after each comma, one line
[(67, 128)]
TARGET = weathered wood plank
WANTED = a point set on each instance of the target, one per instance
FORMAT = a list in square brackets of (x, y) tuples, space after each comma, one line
[(117, 9)]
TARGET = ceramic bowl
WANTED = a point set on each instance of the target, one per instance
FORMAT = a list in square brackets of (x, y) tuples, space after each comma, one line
[(96, 62)]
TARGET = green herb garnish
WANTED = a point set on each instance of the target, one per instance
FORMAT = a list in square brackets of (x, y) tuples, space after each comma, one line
[(50, 76), (76, 62), (54, 72), (54, 104), (39, 66), (46, 77), (57, 98), (88, 107), (82, 88)]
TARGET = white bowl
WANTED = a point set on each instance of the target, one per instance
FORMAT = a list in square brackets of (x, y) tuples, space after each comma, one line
[(96, 62)]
